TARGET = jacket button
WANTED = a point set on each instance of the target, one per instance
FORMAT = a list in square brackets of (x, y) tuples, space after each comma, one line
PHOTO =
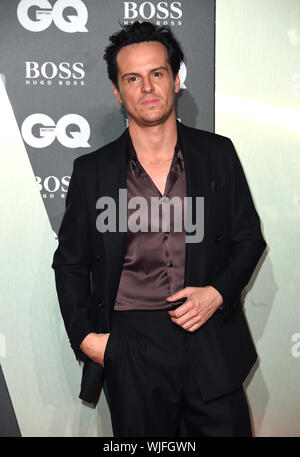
[(101, 303), (219, 237)]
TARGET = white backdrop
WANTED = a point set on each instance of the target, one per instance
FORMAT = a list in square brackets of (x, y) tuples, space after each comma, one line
[(258, 106)]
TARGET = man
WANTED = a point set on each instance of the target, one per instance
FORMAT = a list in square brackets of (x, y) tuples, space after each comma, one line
[(156, 315)]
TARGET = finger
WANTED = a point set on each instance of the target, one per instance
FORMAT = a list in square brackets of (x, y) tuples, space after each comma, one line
[(195, 327), (182, 309), (203, 319), (180, 294), (186, 317), (187, 325), (192, 324)]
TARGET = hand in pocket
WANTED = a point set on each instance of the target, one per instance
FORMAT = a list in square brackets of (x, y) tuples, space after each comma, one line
[(94, 345)]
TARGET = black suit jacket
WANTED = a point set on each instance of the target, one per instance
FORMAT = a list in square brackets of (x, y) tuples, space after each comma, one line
[(88, 263)]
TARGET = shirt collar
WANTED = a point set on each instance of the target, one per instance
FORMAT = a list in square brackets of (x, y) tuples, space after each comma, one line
[(135, 166)]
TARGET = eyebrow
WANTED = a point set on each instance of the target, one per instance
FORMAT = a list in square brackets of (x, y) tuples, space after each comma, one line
[(137, 74)]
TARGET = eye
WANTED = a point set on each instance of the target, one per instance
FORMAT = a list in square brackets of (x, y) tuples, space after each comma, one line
[(157, 74), (132, 79)]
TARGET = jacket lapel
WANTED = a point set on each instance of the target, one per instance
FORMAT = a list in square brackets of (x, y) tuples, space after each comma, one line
[(196, 164), (112, 172)]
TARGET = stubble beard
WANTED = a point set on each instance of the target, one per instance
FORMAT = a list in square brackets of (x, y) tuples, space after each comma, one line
[(144, 121)]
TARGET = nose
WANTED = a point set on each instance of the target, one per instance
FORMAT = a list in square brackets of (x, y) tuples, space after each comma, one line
[(147, 85)]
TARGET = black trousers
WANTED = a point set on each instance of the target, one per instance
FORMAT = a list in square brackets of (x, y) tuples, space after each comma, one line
[(150, 387)]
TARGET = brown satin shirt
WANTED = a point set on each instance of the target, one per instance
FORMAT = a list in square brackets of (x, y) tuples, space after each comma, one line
[(154, 261)]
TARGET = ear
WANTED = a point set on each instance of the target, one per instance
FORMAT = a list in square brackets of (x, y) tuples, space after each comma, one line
[(117, 94), (177, 83)]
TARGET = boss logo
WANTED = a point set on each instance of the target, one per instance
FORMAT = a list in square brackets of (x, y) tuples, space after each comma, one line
[(52, 185), (49, 70), (39, 131), (47, 73), (148, 10), (38, 15)]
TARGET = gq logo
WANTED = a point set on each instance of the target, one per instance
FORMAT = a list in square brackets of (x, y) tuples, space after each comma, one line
[(47, 131), (37, 15)]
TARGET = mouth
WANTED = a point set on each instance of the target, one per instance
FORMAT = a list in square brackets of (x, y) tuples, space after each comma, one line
[(150, 102)]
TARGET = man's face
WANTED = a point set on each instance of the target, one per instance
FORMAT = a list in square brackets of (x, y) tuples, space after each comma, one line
[(146, 84)]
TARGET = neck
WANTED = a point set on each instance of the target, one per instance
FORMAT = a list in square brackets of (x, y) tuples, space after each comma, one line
[(155, 142)]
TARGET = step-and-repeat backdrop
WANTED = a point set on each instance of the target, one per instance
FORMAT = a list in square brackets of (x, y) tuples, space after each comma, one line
[(57, 104)]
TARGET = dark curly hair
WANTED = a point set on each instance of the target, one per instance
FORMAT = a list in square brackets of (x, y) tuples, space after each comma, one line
[(139, 32)]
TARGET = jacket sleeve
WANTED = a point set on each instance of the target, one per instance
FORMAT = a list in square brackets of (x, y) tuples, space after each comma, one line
[(71, 264), (246, 240)]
